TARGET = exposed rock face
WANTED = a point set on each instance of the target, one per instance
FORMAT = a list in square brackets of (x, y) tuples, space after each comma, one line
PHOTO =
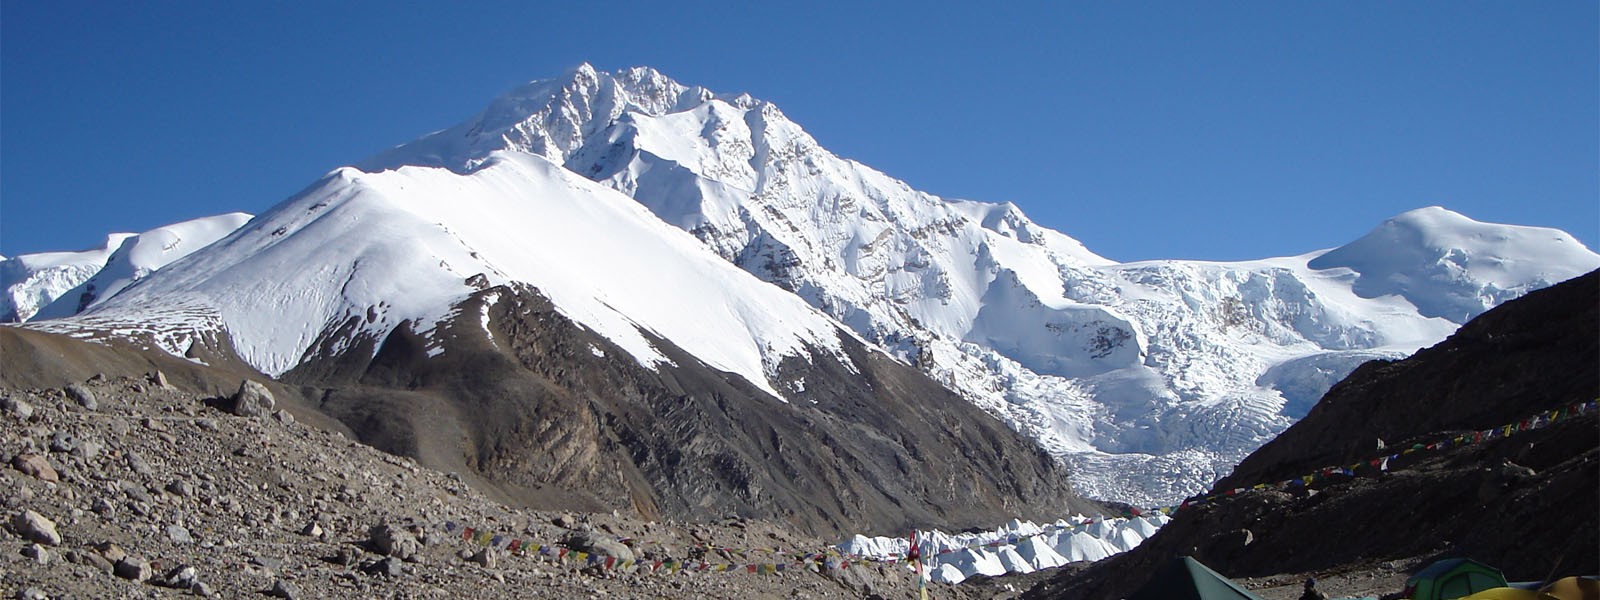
[(1493, 501), (551, 418)]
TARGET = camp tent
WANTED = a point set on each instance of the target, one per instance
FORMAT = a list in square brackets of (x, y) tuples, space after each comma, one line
[(1506, 593), (1186, 579), (1573, 588), (1453, 578)]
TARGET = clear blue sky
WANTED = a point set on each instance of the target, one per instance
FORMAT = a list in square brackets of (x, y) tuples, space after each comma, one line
[(1147, 130)]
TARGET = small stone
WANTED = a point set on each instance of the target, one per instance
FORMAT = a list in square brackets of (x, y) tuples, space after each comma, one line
[(34, 527), (37, 553), (180, 488), (284, 589), (88, 449), (92, 559), (484, 558), (347, 556), (284, 417), (253, 400), (36, 466), (83, 397), (178, 534), (133, 568), (181, 577), (135, 492), (138, 464), (160, 379), (110, 551), (19, 409), (312, 529), (62, 441), (387, 567), (32, 594), (102, 507), (201, 589)]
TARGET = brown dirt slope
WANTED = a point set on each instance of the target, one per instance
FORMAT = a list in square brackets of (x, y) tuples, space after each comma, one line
[(549, 414)]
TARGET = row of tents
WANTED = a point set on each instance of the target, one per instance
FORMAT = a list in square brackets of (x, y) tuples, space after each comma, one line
[(1450, 579)]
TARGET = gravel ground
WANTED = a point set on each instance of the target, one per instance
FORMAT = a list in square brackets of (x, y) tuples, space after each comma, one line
[(147, 491)]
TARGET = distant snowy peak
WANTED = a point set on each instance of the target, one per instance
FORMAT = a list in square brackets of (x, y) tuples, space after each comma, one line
[(32, 281), (58, 284), (1450, 266), (550, 118)]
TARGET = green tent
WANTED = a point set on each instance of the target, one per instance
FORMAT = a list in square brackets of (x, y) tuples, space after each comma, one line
[(1187, 579), (1453, 578)]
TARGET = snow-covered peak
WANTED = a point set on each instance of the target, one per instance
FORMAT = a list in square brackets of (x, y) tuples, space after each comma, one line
[(406, 246), (1450, 266), (549, 118)]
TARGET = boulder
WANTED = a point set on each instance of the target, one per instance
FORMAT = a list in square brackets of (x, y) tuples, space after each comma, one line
[(393, 541), (36, 466), (133, 568), (585, 540), (35, 528), (252, 400), (83, 397)]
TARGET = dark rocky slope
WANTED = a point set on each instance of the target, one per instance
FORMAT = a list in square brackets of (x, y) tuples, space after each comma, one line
[(1528, 503), (550, 414)]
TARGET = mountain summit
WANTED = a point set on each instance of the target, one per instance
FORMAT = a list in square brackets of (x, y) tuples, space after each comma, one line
[(632, 203)]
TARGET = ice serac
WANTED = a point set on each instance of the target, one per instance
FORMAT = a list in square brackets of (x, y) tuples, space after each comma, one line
[(1152, 379)]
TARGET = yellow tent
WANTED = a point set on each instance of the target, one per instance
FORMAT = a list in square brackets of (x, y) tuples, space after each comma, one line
[(1573, 588), (1505, 593), (1570, 588)]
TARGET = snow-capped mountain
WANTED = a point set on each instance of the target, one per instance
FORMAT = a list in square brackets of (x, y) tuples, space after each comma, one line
[(58, 284), (408, 245), (1151, 378), (522, 323)]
